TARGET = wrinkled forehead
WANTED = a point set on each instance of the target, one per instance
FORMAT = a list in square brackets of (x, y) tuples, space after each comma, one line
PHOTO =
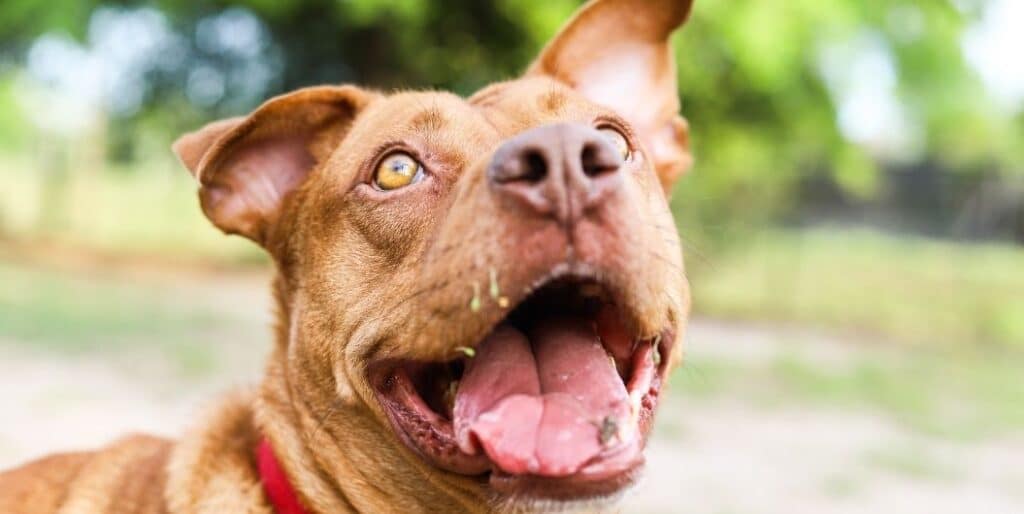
[(456, 130), (515, 106)]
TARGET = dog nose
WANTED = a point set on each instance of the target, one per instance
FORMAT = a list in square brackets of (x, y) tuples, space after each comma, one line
[(560, 171)]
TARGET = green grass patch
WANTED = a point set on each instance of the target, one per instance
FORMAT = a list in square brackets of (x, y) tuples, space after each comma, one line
[(965, 395), (114, 209), (955, 394), (73, 315), (900, 288)]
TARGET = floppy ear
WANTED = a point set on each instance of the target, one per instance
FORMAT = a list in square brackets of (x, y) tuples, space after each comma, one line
[(246, 166), (617, 53)]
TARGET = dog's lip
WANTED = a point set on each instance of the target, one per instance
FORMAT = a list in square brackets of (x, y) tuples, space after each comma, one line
[(431, 435)]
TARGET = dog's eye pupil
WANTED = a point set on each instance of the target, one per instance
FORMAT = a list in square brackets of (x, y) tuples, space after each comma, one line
[(396, 170), (618, 140)]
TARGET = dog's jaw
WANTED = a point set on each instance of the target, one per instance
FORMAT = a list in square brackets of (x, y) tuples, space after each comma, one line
[(450, 415)]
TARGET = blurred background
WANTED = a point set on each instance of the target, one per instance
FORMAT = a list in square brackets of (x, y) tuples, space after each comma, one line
[(853, 229)]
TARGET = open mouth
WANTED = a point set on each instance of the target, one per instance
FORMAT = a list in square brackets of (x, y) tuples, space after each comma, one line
[(555, 402)]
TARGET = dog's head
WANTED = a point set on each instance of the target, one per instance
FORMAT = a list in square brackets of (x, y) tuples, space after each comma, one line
[(481, 295)]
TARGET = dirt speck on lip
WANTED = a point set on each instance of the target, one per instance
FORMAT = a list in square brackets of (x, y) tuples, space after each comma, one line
[(474, 303), (608, 430)]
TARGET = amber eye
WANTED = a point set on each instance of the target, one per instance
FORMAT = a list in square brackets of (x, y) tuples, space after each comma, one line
[(618, 140), (396, 170)]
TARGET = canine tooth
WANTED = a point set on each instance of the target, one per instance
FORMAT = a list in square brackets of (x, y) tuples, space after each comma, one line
[(449, 395), (635, 398), (467, 351), (634, 418)]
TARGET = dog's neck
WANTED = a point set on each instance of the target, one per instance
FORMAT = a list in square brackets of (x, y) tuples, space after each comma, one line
[(379, 477)]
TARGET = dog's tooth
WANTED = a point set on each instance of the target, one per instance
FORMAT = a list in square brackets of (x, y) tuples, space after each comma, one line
[(449, 395), (626, 432)]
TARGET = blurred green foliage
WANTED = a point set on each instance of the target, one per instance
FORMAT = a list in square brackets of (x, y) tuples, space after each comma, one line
[(909, 289), (753, 78), (764, 118)]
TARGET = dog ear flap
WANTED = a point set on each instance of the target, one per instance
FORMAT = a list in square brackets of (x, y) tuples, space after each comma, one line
[(246, 166), (617, 53)]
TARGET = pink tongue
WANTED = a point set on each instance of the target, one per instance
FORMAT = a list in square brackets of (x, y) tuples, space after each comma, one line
[(543, 408)]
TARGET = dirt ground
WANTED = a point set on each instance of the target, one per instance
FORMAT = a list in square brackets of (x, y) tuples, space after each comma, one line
[(716, 449)]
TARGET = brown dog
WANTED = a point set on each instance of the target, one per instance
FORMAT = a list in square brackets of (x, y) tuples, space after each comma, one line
[(478, 299)]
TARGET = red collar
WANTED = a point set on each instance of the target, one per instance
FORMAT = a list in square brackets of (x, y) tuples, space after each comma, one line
[(275, 483)]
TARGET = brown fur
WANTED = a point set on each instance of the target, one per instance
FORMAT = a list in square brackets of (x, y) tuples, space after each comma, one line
[(365, 275)]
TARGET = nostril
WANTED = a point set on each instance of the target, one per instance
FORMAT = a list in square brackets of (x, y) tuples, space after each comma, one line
[(596, 162), (536, 167), (525, 166)]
